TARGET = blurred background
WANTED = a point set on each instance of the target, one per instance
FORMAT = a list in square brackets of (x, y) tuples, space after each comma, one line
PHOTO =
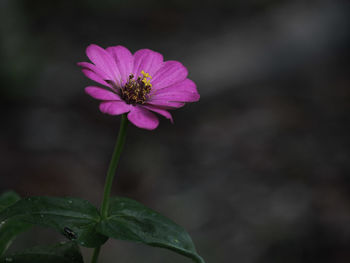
[(257, 171)]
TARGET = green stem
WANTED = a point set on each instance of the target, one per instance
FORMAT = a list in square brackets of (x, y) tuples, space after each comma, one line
[(110, 176), (113, 166), (95, 255)]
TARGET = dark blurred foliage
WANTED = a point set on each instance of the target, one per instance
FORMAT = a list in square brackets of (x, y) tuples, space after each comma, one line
[(257, 171)]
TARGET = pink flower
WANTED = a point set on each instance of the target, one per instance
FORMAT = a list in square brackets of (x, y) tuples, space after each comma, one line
[(138, 84)]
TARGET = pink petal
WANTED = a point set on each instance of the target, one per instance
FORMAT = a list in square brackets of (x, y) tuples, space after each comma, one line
[(104, 61), (176, 96), (94, 73), (160, 111), (124, 60), (101, 94), (184, 91), (164, 104), (170, 73), (114, 107), (143, 118), (92, 67), (148, 61), (186, 85)]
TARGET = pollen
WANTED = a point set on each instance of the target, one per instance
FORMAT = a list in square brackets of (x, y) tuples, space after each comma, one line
[(146, 75), (136, 91)]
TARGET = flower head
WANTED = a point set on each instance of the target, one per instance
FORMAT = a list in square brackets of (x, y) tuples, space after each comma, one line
[(139, 84)]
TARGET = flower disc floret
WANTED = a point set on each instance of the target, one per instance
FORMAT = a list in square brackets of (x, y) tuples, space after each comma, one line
[(137, 91)]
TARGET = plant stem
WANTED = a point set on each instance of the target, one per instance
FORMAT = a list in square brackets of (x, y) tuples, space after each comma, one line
[(110, 176), (95, 254), (113, 166)]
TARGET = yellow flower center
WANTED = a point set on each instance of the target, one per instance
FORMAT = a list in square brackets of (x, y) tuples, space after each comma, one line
[(136, 91)]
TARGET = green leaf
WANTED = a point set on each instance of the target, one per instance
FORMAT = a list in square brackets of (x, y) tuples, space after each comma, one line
[(132, 221), (7, 199), (65, 252), (72, 217), (11, 228)]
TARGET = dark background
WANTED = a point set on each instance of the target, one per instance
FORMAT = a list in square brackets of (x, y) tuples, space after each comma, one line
[(257, 171)]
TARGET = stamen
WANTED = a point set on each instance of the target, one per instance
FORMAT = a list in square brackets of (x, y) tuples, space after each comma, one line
[(137, 91)]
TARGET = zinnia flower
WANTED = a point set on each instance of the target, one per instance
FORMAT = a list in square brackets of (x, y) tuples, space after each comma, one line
[(140, 85)]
